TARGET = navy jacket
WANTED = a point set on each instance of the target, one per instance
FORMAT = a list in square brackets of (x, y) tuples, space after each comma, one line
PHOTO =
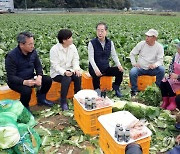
[(20, 67), (101, 56)]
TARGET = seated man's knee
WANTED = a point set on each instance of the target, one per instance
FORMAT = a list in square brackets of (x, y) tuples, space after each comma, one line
[(133, 71), (47, 79), (26, 91), (161, 69)]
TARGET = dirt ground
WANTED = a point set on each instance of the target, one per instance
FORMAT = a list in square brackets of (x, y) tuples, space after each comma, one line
[(57, 122)]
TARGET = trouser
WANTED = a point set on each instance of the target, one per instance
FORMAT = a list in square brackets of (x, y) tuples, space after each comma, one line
[(110, 71), (135, 72), (25, 91), (166, 89), (65, 83)]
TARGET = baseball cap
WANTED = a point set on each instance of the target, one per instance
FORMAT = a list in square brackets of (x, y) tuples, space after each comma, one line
[(152, 32)]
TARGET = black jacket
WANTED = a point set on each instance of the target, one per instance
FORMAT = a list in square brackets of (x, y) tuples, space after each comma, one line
[(20, 67)]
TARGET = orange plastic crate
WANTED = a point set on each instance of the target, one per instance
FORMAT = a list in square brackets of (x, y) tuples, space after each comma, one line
[(33, 100), (7, 93), (88, 120), (109, 146), (70, 91), (55, 90), (178, 92), (105, 82), (143, 81)]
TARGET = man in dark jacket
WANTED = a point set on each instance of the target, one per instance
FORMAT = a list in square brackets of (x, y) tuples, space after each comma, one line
[(99, 51), (24, 71)]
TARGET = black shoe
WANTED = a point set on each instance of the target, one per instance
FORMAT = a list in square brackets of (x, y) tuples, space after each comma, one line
[(134, 93), (46, 102), (117, 90)]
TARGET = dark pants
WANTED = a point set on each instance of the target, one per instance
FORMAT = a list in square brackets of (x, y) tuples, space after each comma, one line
[(65, 83), (166, 89), (26, 91), (110, 71)]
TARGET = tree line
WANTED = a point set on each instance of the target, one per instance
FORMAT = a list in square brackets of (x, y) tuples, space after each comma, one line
[(114, 4)]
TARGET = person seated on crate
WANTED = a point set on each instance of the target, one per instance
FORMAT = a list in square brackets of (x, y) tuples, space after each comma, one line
[(65, 67), (149, 61), (99, 51), (169, 85), (20, 64)]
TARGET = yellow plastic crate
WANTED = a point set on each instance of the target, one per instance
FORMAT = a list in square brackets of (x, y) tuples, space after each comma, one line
[(108, 142), (7, 93), (105, 82), (88, 120), (109, 146)]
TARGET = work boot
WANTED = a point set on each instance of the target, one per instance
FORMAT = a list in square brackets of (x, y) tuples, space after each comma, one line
[(165, 102), (64, 104), (117, 90), (172, 104), (41, 98)]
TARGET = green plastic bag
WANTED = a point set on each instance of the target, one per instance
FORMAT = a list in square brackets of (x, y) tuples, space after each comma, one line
[(29, 142), (16, 107), (9, 134)]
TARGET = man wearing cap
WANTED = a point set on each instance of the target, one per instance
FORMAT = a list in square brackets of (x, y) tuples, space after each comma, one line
[(149, 62)]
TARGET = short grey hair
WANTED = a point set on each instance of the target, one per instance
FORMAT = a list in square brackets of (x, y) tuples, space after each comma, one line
[(102, 23), (21, 38)]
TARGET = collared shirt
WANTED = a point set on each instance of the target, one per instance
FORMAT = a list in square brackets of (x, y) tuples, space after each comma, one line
[(91, 55), (63, 59), (20, 67), (147, 54)]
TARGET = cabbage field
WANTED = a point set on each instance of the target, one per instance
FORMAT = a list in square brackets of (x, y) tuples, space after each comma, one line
[(126, 30)]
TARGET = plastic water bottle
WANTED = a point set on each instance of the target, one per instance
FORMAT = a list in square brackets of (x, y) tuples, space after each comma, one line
[(116, 130), (120, 136), (127, 135), (85, 102), (93, 100)]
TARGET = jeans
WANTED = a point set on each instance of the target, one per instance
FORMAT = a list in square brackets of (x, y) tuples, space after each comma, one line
[(135, 72)]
